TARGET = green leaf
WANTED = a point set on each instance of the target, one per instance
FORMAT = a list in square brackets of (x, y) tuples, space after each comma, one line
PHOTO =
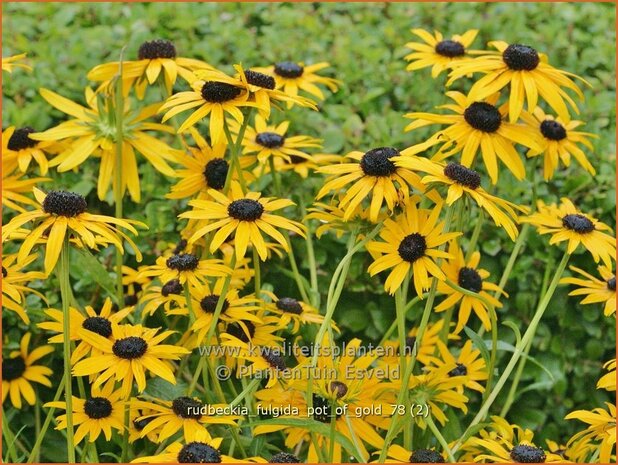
[(86, 265), (510, 348), (515, 329), (161, 389)]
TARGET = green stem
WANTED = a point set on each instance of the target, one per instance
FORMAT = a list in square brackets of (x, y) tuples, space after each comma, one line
[(475, 235), (440, 438), (118, 191), (519, 349), (400, 310), (65, 291), (393, 325), (189, 305), (9, 439), (313, 270), (35, 454), (294, 266), (275, 175), (250, 387), (333, 429), (257, 278), (125, 436), (235, 153)]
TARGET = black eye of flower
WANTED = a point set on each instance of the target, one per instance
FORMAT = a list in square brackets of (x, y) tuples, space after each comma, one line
[(20, 139), (553, 130), (130, 347), (172, 287), (182, 262), (245, 210), (98, 407), (470, 280), (483, 116), (284, 457), (219, 92), (273, 357), (295, 159), (376, 162), (237, 331), (611, 283), (459, 370), (198, 452), (289, 69), (215, 173), (158, 48), (462, 175), (322, 409), (338, 388), (4, 272), (409, 347), (13, 368), (270, 140), (185, 407), (450, 48), (182, 244), (578, 223), (99, 325), (260, 79), (521, 57), (209, 303), (290, 305), (412, 247), (527, 454), (63, 203), (426, 456), (130, 300)]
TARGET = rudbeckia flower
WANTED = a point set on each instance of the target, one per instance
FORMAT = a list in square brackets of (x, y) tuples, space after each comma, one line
[(372, 173), (9, 63), (100, 413), (468, 276), (526, 71), (131, 352), (596, 290), (469, 365), (608, 380), (17, 145), (438, 52), (155, 58), (303, 165), (290, 310), (14, 282), (91, 133), (186, 268), (63, 213), (170, 295), (401, 455), (19, 371), (411, 242), (247, 215), (600, 435), (565, 223), (558, 141), (331, 218), (461, 180), (14, 186), (476, 126)]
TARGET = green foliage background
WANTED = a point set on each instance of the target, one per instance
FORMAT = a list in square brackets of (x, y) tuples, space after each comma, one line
[(365, 45)]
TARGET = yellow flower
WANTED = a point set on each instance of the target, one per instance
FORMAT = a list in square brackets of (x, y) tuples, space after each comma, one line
[(290, 310), (601, 430), (437, 52), (19, 371), (401, 455), (596, 290), (608, 380), (14, 187), (468, 365), (13, 280), (186, 268), (528, 73), (63, 213), (9, 63), (17, 145)]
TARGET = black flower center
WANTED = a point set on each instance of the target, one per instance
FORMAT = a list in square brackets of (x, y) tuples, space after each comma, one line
[(578, 223), (377, 162), (130, 347), (284, 457), (209, 303), (553, 130), (182, 244), (4, 272), (290, 305), (182, 262), (483, 116), (273, 357), (198, 452), (185, 407), (426, 456), (289, 69), (98, 407), (219, 92), (338, 388), (322, 409), (237, 331), (527, 454), (260, 79), (409, 347), (64, 203), (99, 325), (462, 175), (21, 140), (450, 48), (158, 48), (470, 280), (295, 159), (270, 140), (13, 368), (215, 173), (412, 247), (611, 283), (130, 300), (520, 57), (172, 287), (459, 370), (245, 209)]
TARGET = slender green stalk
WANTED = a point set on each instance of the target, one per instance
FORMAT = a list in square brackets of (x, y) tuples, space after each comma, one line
[(36, 449), (125, 435), (333, 430), (519, 349), (440, 438), (189, 305), (275, 175), (475, 235), (393, 325), (37, 423), (313, 269), (257, 278), (400, 310), (9, 439), (245, 392), (358, 452), (118, 191), (235, 153)]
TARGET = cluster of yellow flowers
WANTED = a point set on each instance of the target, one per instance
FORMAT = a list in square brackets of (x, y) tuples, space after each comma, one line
[(190, 320)]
